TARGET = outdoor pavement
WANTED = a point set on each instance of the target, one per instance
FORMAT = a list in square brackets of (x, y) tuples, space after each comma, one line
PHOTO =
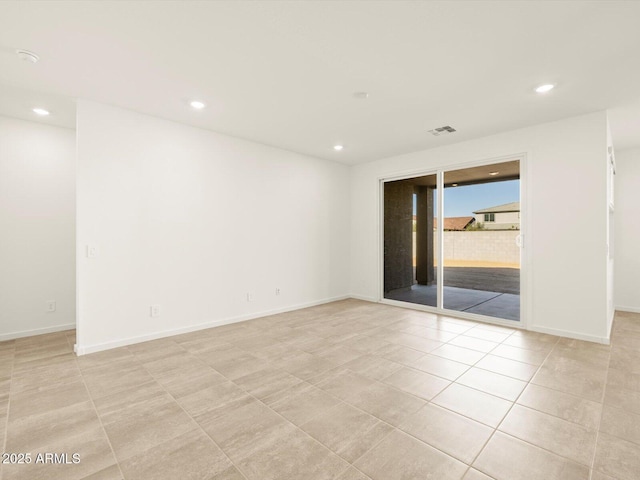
[(482, 302)]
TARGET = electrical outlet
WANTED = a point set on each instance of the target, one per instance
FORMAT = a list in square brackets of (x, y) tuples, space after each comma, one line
[(154, 311), (249, 297), (277, 291), (51, 306), (92, 251)]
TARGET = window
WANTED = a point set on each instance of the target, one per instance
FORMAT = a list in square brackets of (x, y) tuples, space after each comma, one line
[(489, 217)]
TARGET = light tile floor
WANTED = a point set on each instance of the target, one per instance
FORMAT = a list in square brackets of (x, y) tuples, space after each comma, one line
[(349, 390)]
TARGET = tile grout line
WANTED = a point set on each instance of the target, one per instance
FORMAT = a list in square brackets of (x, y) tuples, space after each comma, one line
[(95, 410), (511, 408), (604, 392), (237, 467), (340, 401)]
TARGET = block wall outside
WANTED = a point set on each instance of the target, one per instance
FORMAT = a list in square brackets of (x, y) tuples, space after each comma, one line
[(481, 248)]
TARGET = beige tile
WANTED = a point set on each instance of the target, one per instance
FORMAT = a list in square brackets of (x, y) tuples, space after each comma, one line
[(592, 354), (364, 343), (266, 382), (386, 403), (520, 354), (291, 456), (585, 386), (415, 342), (493, 383), (235, 363), (301, 403), (172, 364), (562, 405), (440, 367), (600, 476), (101, 359), (189, 380), (617, 457), (507, 458), (63, 370), (400, 354), (539, 342), (459, 354), (163, 348), (474, 474), (212, 402), (621, 424), (338, 354), (187, 457), (401, 457), (352, 474), (490, 335), (344, 385), (564, 438), (244, 429), (306, 365), (373, 367), (347, 431), (138, 427), (417, 383), (430, 333), (116, 402), (479, 406), (109, 473), (115, 377), (449, 432), (33, 432), (625, 360), (96, 459), (472, 343), (510, 368), (628, 400), (623, 379), (452, 327), (52, 398)]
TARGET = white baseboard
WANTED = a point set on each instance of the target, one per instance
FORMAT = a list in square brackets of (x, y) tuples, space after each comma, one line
[(627, 309), (36, 331), (87, 349), (363, 297), (570, 334)]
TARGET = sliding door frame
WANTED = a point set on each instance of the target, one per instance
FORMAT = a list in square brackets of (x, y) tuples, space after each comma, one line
[(525, 239)]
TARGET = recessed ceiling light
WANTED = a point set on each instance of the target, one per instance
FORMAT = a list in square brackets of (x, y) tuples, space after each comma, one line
[(493, 174), (41, 111), (27, 56), (198, 105), (545, 88), (361, 95), (454, 184), (338, 147)]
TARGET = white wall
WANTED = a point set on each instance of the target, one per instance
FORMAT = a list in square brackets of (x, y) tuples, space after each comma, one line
[(37, 228), (627, 231), (192, 220), (566, 241)]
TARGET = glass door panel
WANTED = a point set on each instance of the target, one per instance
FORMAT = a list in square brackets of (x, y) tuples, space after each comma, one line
[(481, 252), (410, 240)]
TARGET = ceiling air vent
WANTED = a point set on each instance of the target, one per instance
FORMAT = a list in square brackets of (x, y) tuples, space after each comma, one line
[(442, 131)]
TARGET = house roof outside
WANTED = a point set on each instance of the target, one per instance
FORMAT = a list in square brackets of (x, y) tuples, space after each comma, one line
[(453, 223), (507, 207)]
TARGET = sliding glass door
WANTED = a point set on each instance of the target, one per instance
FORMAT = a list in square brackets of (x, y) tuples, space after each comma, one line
[(462, 255)]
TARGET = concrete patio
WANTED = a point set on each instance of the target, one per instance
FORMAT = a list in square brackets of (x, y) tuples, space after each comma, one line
[(494, 292)]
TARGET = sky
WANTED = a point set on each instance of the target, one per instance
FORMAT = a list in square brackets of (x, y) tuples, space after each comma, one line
[(463, 201)]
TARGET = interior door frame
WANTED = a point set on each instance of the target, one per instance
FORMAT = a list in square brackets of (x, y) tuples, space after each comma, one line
[(525, 236)]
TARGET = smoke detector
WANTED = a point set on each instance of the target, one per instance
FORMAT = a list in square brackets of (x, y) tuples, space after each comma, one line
[(436, 132), (27, 56)]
